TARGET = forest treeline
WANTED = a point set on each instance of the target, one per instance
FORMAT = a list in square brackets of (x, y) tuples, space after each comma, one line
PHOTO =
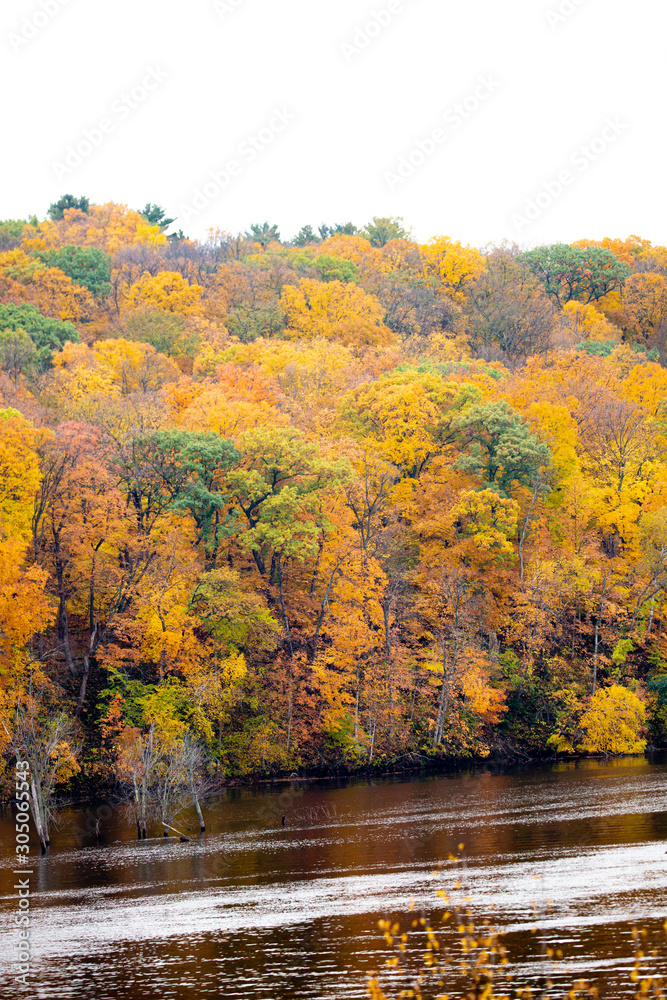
[(347, 501)]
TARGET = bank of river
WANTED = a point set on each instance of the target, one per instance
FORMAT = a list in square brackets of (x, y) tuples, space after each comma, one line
[(261, 912)]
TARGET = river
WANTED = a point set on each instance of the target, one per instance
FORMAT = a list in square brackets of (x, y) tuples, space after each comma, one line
[(259, 911)]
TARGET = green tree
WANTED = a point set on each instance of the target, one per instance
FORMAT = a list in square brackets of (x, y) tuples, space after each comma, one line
[(379, 231), (306, 237), (48, 335), (277, 490), (335, 269), (13, 227), (338, 229), (191, 468), (86, 266), (156, 215), (657, 688), (17, 353), (264, 234), (58, 208), (498, 446), (237, 620), (248, 322), (11, 232), (168, 333), (582, 273)]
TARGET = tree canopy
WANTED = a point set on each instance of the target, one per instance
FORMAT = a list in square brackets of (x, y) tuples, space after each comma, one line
[(324, 503)]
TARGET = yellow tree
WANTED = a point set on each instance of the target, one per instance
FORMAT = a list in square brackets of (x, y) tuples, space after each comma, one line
[(456, 265), (585, 322), (619, 450), (220, 409), (24, 608), (612, 724), (109, 227), (466, 543), (348, 622), (312, 374), (335, 310), (25, 278), (165, 290), (404, 416), (645, 301), (109, 370)]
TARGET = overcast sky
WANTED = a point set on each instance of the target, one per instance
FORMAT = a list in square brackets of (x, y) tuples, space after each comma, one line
[(532, 120)]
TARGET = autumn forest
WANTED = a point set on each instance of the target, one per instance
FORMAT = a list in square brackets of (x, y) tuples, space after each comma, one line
[(325, 504)]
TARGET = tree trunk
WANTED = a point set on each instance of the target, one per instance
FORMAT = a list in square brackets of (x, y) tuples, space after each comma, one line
[(137, 809), (259, 562), (323, 609), (63, 624), (536, 493), (290, 706), (387, 628), (142, 802), (356, 702), (195, 799), (84, 685), (284, 610), (92, 646), (598, 622), (373, 727), (443, 704), (37, 816), (390, 682)]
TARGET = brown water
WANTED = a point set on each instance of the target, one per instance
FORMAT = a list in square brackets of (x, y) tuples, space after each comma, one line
[(254, 910)]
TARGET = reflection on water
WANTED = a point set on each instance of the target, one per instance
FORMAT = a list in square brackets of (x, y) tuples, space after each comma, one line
[(255, 910)]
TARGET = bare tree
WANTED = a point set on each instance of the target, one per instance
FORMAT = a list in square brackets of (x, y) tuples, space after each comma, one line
[(138, 757), (193, 759), (414, 308), (172, 783), (46, 741), (510, 317)]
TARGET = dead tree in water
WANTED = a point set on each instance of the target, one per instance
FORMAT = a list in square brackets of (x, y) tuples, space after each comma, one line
[(193, 759), (180, 778), (45, 741), (161, 777), (169, 788), (138, 757)]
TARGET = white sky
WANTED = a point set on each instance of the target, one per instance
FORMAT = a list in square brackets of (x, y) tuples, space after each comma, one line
[(355, 112)]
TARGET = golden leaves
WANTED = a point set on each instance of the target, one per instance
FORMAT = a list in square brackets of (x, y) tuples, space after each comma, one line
[(456, 265), (167, 291), (337, 311)]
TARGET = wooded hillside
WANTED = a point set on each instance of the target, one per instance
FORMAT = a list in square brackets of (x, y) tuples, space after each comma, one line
[(326, 503)]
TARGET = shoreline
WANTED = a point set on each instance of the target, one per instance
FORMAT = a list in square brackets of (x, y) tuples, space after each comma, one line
[(439, 768)]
